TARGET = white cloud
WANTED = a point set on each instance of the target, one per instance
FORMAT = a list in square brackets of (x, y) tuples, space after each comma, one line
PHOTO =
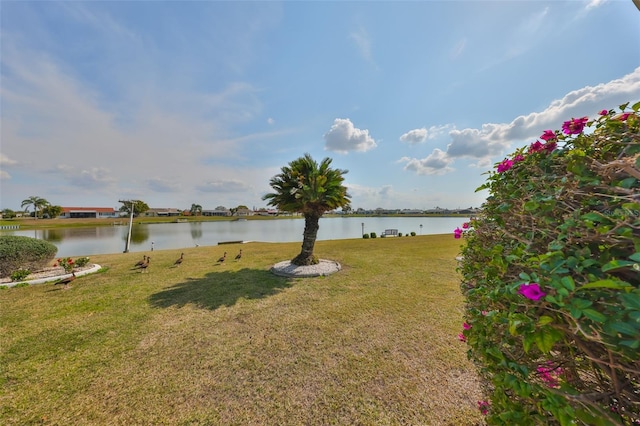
[(458, 49), (223, 186), (386, 191), (415, 136), (163, 185), (363, 42), (436, 163), (343, 137), (85, 178), (6, 161), (166, 143), (593, 4), (493, 140), (420, 135)]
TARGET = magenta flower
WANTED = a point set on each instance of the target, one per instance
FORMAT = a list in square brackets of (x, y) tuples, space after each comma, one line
[(574, 126), (462, 338), (550, 374), (518, 158), (465, 225), (623, 117), (604, 112), (483, 406), (531, 291), (550, 146), (457, 233), (548, 135), (466, 326), (505, 165), (536, 147)]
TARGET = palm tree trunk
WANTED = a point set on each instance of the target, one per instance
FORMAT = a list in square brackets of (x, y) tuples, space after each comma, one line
[(311, 226)]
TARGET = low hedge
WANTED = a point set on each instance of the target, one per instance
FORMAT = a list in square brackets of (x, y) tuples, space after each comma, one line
[(551, 277), (24, 253)]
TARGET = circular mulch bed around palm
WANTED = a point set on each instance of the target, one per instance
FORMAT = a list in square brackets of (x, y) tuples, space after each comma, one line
[(288, 269)]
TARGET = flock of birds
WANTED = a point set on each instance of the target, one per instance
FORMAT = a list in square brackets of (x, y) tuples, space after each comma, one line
[(143, 265)]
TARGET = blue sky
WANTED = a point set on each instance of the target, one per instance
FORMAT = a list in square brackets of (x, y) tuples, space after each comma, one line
[(176, 103)]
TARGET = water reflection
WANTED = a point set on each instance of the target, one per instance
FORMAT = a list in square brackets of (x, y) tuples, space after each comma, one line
[(196, 230), (53, 235), (139, 234)]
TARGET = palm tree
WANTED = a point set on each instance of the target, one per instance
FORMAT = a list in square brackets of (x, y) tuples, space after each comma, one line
[(36, 202), (306, 187)]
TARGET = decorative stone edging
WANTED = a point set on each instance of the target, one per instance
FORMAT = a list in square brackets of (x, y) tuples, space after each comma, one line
[(91, 270)]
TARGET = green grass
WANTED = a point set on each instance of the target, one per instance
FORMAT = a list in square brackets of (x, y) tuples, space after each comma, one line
[(233, 344)]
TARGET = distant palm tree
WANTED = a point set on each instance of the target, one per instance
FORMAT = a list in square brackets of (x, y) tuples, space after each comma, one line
[(36, 202), (306, 187), (195, 209)]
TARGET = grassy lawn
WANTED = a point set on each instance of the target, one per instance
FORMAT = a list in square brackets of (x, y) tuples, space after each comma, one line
[(232, 344)]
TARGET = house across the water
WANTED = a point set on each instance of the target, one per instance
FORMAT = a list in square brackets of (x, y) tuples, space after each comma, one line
[(88, 212)]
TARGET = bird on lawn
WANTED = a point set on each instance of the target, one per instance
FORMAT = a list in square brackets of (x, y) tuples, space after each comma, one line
[(179, 261), (239, 255), (223, 258), (140, 262), (145, 266), (66, 281)]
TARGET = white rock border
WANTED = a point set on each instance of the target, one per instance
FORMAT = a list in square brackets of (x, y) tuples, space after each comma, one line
[(92, 270), (288, 269)]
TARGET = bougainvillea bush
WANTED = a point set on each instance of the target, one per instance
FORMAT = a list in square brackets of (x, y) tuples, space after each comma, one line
[(551, 276)]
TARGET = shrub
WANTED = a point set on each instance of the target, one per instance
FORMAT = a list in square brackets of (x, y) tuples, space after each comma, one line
[(24, 252), (373, 235), (551, 278), (82, 261), (67, 263), (20, 274), (413, 234), (365, 236), (399, 234)]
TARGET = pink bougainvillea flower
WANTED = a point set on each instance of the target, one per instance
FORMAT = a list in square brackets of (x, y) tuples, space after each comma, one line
[(531, 291), (483, 406), (518, 158), (505, 165), (466, 326), (574, 126), (457, 233), (550, 374), (604, 112), (462, 338), (623, 117), (550, 146), (465, 225), (484, 313), (548, 135), (536, 147)]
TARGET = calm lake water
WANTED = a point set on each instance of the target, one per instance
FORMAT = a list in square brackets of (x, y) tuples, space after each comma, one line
[(163, 236)]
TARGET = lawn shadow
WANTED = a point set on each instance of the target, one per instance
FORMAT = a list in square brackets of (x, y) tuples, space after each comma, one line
[(220, 289)]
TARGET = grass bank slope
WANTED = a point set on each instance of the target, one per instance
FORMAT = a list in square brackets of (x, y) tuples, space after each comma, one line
[(232, 344)]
